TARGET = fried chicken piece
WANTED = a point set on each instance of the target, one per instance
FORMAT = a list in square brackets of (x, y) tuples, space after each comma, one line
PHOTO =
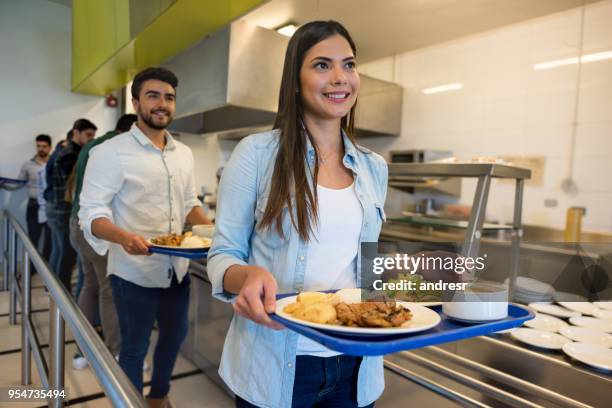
[(372, 314), (400, 316), (376, 315), (168, 240), (346, 316)]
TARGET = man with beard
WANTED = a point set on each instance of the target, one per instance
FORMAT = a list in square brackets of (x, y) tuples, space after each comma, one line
[(139, 185), (36, 227)]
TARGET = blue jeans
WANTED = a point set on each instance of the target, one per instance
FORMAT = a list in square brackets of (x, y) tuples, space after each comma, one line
[(63, 255), (322, 383), (80, 278), (137, 309)]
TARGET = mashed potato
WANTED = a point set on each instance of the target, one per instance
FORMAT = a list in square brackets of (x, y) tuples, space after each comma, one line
[(195, 242)]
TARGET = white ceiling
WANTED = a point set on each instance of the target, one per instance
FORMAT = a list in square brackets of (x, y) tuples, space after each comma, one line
[(386, 27)]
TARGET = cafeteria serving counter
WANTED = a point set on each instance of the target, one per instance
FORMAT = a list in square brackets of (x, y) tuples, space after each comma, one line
[(491, 371)]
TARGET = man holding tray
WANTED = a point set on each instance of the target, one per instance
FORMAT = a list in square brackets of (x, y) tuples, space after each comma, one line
[(140, 185)]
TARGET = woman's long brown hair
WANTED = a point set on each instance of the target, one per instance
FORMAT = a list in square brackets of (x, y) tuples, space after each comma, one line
[(290, 176)]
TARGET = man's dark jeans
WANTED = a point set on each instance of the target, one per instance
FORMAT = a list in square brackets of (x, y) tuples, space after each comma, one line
[(63, 255), (322, 383), (37, 230), (138, 308)]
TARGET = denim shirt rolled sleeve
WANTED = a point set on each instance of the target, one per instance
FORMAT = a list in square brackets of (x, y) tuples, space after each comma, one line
[(235, 218), (243, 194), (104, 179)]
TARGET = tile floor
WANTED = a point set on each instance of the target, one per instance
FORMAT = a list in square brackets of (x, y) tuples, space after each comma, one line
[(190, 388)]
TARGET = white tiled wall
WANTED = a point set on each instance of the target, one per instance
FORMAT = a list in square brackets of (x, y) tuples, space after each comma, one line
[(35, 80), (507, 107)]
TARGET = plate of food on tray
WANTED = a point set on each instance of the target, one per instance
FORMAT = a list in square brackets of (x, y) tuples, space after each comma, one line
[(181, 242), (343, 312)]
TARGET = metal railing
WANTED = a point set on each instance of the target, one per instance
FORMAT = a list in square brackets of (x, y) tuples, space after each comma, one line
[(62, 309)]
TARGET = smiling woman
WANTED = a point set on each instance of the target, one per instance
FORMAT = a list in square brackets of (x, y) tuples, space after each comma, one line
[(294, 204), (329, 78)]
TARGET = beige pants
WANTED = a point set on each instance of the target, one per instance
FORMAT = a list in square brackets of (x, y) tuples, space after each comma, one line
[(96, 289)]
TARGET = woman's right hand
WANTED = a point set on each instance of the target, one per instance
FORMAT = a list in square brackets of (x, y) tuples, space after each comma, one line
[(257, 297)]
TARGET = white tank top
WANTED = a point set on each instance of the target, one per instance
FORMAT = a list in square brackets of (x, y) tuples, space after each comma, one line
[(332, 252)]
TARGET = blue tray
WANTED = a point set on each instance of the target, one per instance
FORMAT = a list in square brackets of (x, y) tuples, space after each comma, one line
[(190, 254), (446, 331), (12, 181)]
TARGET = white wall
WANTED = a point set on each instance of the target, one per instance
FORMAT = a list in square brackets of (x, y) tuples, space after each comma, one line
[(35, 48), (507, 107), (210, 153)]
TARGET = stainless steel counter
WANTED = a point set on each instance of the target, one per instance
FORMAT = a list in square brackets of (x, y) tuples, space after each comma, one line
[(400, 231), (209, 321), (489, 371)]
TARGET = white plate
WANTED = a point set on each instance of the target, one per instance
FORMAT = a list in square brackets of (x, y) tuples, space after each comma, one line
[(538, 296), (540, 338), (596, 356), (506, 331), (604, 304), (203, 230), (553, 310), (423, 318), (587, 335), (580, 307), (530, 286), (568, 297), (603, 314), (428, 304), (528, 299), (545, 322), (533, 298), (593, 323)]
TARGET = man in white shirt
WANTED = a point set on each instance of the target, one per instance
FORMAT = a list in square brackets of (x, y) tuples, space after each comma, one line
[(139, 185)]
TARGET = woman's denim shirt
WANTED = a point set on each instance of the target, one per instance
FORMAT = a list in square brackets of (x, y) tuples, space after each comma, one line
[(258, 363)]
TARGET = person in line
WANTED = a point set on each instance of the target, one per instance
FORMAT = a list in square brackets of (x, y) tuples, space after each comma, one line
[(294, 205), (137, 186), (37, 226), (58, 209), (43, 192), (96, 294)]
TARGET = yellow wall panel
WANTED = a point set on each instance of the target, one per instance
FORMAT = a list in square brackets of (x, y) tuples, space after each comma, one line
[(114, 39)]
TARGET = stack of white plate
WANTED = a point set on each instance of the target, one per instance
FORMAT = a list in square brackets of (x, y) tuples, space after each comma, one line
[(554, 310), (546, 323), (603, 314), (540, 338), (568, 297), (586, 308), (587, 335), (607, 305), (594, 355), (529, 290), (603, 325)]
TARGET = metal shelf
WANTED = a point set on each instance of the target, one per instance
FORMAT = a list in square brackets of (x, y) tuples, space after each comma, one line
[(484, 172), (442, 222), (458, 170)]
